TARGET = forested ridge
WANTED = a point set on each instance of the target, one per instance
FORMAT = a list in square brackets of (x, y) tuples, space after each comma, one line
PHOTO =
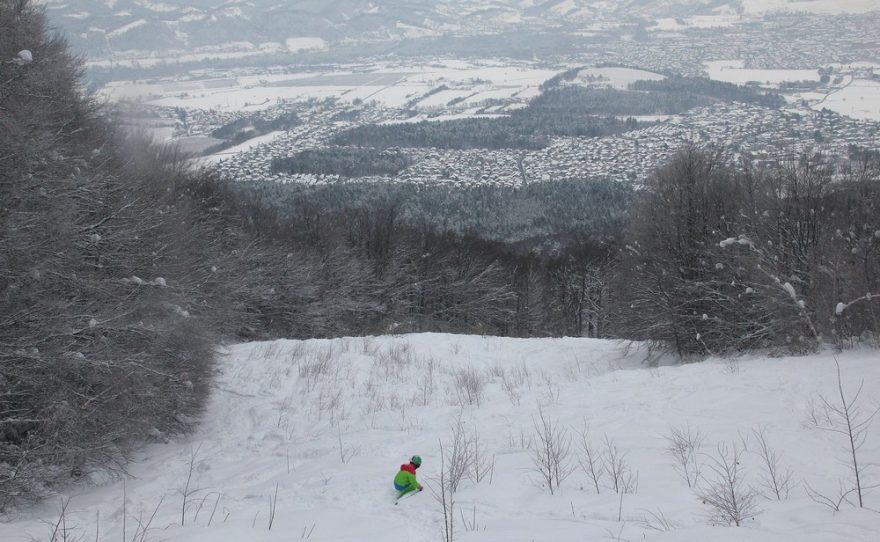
[(121, 269)]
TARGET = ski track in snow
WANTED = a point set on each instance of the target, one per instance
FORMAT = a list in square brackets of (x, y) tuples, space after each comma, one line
[(280, 410)]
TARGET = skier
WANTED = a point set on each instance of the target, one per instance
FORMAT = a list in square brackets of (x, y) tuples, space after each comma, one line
[(405, 482)]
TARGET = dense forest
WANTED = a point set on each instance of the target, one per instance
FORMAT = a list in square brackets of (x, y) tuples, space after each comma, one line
[(99, 343), (696, 87), (720, 259), (121, 269), (544, 217), (470, 133), (580, 100)]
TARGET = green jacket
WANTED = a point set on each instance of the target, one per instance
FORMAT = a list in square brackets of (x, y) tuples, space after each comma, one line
[(405, 481)]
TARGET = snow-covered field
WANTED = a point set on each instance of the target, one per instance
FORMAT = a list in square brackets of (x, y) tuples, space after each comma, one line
[(315, 430), (619, 78), (391, 85), (859, 100), (733, 71)]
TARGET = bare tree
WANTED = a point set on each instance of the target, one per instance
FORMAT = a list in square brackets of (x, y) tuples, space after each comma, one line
[(623, 480), (825, 499), (730, 500), (187, 492), (460, 461), (590, 458), (683, 445), (445, 497), (469, 386), (345, 452), (777, 480), (60, 531), (550, 455), (510, 383), (481, 463), (844, 416)]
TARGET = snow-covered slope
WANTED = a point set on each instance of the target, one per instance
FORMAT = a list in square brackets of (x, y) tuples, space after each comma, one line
[(326, 424)]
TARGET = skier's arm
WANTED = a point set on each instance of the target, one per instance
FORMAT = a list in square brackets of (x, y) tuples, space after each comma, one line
[(411, 478)]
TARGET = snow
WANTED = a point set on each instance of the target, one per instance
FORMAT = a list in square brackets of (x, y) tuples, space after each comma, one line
[(859, 100), (672, 24), (411, 31), (241, 147), (245, 99), (142, 59), (296, 45), (391, 96), (391, 85), (733, 71), (158, 7), (327, 422), (619, 78), (442, 98), (126, 28), (503, 93), (811, 6), (499, 75), (468, 114), (24, 57)]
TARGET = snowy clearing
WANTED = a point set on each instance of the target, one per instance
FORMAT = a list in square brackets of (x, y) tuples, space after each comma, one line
[(732, 71), (242, 147), (296, 45), (468, 114), (859, 100), (672, 24), (619, 78), (316, 430), (391, 85)]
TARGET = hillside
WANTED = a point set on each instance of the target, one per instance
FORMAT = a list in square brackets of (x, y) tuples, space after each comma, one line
[(213, 27), (146, 393), (326, 423)]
